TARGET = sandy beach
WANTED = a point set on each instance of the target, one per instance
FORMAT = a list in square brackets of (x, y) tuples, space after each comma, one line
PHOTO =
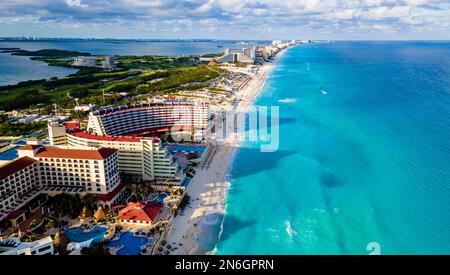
[(208, 189)]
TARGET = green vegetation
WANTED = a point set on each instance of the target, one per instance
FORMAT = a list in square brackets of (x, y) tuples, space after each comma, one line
[(150, 62), (65, 204), (184, 79), (139, 191), (4, 225), (212, 55), (78, 115), (137, 76), (62, 91), (49, 53), (18, 129)]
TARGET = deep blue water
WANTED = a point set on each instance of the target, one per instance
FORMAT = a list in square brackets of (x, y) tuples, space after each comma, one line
[(14, 69), (132, 245), (364, 154), (77, 234)]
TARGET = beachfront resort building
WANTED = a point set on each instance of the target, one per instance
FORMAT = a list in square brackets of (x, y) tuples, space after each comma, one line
[(149, 118), (54, 170), (14, 246), (246, 55), (139, 213), (64, 170), (127, 129), (142, 158), (18, 184)]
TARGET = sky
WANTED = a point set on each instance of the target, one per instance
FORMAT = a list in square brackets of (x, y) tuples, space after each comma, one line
[(227, 19)]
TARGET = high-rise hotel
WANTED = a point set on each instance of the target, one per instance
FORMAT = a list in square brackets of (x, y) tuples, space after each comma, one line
[(53, 169), (125, 128)]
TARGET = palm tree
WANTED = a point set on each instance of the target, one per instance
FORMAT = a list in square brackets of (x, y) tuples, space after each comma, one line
[(50, 224), (33, 223), (83, 213)]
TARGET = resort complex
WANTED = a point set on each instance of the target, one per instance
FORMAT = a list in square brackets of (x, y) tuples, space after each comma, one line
[(54, 170), (222, 133), (129, 129), (121, 178)]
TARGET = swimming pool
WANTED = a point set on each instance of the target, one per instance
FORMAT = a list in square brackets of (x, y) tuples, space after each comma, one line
[(76, 234), (186, 182), (21, 142), (158, 197), (9, 154), (174, 148), (131, 244), (12, 153)]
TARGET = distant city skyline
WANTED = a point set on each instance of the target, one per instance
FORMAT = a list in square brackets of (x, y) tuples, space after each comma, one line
[(227, 19)]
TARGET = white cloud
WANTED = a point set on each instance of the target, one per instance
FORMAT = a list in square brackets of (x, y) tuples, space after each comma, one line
[(76, 3), (246, 17)]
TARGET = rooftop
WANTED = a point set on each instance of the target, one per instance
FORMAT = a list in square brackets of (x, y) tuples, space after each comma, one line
[(143, 105), (56, 152), (15, 166), (72, 124), (140, 212), (86, 135)]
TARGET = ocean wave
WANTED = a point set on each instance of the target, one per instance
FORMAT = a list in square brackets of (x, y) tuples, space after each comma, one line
[(291, 232), (287, 100)]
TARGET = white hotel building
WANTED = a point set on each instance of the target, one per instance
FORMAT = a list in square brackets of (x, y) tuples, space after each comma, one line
[(123, 128), (18, 184), (14, 246), (148, 118)]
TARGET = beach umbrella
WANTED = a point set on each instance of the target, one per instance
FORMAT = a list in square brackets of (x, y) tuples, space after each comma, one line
[(99, 214), (57, 239)]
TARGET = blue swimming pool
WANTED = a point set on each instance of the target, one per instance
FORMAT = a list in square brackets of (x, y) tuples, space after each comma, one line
[(132, 245), (176, 148), (186, 182), (158, 197), (9, 154), (76, 234)]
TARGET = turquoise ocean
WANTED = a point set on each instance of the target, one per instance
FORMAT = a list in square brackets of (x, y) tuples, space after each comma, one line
[(363, 156)]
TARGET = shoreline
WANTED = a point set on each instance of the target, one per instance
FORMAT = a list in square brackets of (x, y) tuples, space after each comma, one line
[(209, 187)]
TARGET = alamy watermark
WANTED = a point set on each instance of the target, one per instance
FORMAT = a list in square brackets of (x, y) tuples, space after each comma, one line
[(259, 124), (374, 248)]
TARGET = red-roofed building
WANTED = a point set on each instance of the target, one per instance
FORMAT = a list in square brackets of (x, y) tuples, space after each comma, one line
[(72, 124), (41, 151), (74, 170), (139, 213), (126, 128), (18, 184), (54, 170)]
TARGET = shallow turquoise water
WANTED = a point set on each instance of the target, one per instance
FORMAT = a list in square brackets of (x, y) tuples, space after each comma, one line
[(364, 155)]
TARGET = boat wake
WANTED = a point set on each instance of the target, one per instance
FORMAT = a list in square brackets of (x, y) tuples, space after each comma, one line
[(287, 100), (291, 232)]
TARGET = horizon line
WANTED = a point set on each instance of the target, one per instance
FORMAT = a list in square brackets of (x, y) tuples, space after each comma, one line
[(221, 39)]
